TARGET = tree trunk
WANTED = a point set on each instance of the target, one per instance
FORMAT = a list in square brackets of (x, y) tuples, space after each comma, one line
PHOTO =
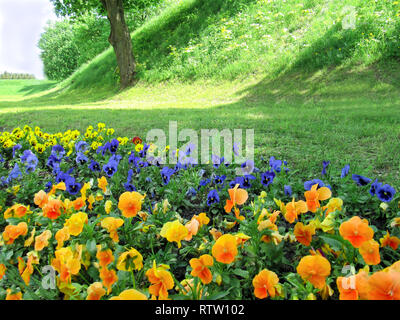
[(121, 41)]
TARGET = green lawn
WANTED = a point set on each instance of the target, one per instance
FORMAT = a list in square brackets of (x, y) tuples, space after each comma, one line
[(338, 115)]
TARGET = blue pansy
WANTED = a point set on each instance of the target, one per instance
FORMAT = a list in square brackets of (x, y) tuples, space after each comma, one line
[(166, 174), (237, 180), (113, 146), (374, 186), (288, 190), (219, 179), (189, 149), (204, 182), (57, 151), (246, 181), (236, 149), (191, 192), (216, 160), (361, 180), (325, 165), (345, 171), (81, 146), (94, 166), (212, 197), (110, 168), (267, 178), (128, 185), (81, 158), (385, 193), (247, 167), (275, 164), (48, 186), (143, 152), (15, 148), (310, 183), (15, 172), (72, 186)]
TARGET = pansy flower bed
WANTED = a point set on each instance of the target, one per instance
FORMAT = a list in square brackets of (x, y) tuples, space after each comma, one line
[(90, 216)]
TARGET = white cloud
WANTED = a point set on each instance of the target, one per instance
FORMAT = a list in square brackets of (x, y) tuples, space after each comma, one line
[(21, 23)]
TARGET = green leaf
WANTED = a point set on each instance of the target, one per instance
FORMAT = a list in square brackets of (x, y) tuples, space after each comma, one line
[(334, 241), (218, 295), (241, 273), (93, 272), (8, 255), (91, 246)]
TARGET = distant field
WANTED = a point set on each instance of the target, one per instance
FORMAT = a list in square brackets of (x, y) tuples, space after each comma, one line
[(18, 89)]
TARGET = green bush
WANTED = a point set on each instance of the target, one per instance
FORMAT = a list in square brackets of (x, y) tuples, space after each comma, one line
[(59, 52)]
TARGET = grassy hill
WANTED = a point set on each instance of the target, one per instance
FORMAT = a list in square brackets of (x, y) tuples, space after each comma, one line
[(311, 90), (230, 39)]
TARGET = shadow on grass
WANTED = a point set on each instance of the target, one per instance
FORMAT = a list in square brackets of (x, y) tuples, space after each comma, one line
[(325, 63), (36, 88)]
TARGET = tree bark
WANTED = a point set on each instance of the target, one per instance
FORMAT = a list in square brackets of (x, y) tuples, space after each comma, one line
[(120, 39)]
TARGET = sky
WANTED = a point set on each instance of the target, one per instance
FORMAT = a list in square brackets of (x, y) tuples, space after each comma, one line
[(21, 23)]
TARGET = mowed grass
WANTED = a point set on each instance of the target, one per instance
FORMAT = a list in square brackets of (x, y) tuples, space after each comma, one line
[(342, 115)]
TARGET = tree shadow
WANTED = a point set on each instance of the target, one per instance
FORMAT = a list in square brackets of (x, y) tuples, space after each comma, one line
[(36, 88), (327, 61)]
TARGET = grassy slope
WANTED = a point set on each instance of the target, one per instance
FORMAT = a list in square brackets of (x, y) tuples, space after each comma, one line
[(303, 96)]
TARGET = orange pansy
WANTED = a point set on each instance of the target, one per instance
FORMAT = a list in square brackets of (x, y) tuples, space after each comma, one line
[(52, 209), (215, 233), (130, 203), (108, 277), (2, 270), (78, 203), (354, 287), (202, 219), (370, 252), (315, 269), (11, 233), (42, 240), (293, 209), (304, 233), (13, 296), (384, 286), (200, 268), (314, 196), (264, 284), (193, 227), (41, 199), (105, 257), (61, 236), (237, 196), (102, 183), (161, 281), (356, 231), (390, 241), (25, 270), (225, 249), (111, 224), (95, 291)]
